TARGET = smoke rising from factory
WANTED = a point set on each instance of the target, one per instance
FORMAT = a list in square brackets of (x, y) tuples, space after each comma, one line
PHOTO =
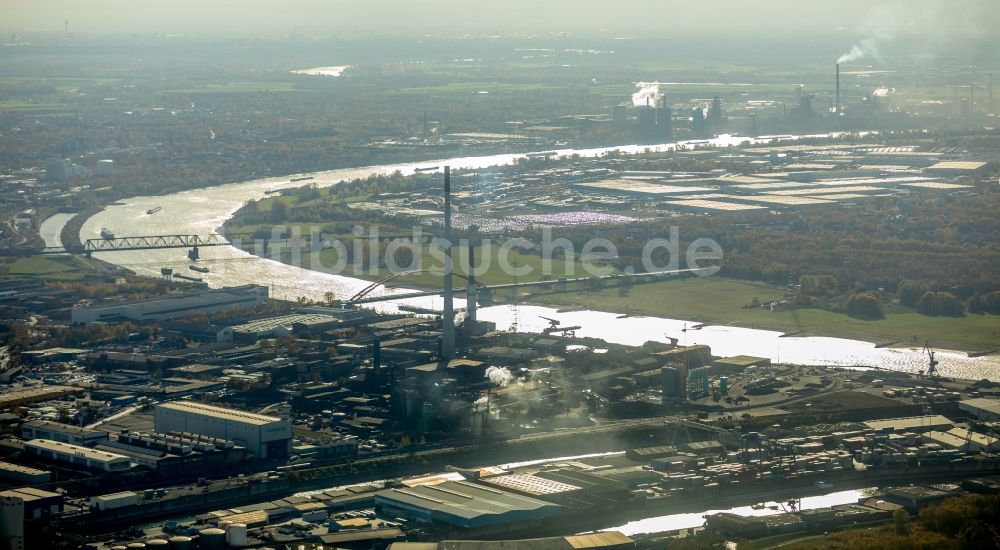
[(928, 28), (648, 93), (499, 376), (867, 47)]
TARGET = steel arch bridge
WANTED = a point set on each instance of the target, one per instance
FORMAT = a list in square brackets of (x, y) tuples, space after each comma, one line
[(361, 294)]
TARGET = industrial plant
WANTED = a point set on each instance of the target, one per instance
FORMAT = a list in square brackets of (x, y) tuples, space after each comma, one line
[(425, 277)]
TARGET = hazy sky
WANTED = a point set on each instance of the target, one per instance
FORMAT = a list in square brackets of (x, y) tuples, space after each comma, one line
[(268, 18)]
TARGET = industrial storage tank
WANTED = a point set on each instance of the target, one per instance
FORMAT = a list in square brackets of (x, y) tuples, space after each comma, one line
[(212, 539), (105, 167), (158, 544), (181, 543), (136, 545), (236, 536)]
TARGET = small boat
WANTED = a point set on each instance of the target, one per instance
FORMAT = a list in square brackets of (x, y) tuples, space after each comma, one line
[(304, 178), (107, 233), (272, 191), (199, 268), (154, 210)]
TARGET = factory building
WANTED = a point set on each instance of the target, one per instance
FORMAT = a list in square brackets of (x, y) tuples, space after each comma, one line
[(23, 474), (38, 504), (176, 453), (963, 440), (911, 424), (33, 395), (982, 408), (64, 433), (62, 169), (12, 523), (282, 325), (264, 436), (464, 505), (84, 457), (172, 306), (604, 540)]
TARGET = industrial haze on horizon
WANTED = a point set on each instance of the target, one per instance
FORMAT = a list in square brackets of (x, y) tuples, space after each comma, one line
[(936, 20)]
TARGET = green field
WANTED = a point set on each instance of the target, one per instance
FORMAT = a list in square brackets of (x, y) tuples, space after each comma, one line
[(238, 87), (719, 300), (23, 106), (63, 268), (488, 273)]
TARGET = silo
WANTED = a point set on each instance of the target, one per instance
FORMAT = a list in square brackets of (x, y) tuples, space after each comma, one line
[(669, 383), (618, 116), (11, 519), (105, 167), (646, 117), (236, 536), (181, 543), (212, 539)]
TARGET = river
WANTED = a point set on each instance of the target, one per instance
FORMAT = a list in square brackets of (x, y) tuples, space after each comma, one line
[(203, 211), (51, 228)]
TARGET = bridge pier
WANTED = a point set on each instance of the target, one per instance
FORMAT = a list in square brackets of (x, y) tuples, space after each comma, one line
[(485, 296)]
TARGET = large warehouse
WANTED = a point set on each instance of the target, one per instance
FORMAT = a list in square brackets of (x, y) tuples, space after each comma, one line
[(85, 457), (463, 504), (172, 306), (982, 408), (265, 436)]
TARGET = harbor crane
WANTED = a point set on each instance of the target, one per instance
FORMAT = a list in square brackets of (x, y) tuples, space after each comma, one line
[(932, 362), (553, 323), (555, 326)]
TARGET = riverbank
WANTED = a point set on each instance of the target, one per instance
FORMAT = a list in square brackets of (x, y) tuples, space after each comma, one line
[(721, 301)]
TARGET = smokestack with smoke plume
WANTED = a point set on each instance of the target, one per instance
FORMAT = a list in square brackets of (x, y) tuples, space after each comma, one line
[(867, 47), (926, 29), (448, 321), (499, 376), (648, 93), (837, 108)]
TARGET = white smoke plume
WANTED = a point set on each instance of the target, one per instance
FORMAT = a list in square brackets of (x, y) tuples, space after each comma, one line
[(647, 94), (867, 47), (499, 376), (927, 27), (883, 92)]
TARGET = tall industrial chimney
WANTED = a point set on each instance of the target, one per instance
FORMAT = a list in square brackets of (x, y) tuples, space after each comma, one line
[(448, 324), (471, 293), (836, 108)]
